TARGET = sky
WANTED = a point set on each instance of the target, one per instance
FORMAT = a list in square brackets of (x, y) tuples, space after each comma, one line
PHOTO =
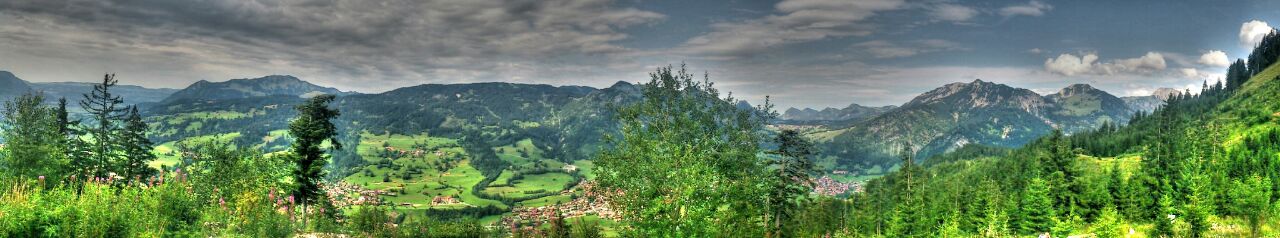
[(802, 53)]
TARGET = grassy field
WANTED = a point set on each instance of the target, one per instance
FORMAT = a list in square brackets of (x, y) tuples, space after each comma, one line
[(532, 185)]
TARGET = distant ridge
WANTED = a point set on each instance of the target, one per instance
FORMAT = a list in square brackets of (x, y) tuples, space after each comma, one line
[(11, 86), (977, 112), (273, 85)]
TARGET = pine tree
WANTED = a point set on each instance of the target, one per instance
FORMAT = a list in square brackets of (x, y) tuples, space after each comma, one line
[(137, 147), (1108, 224), (102, 105), (1037, 207), (951, 228), (1164, 223), (1250, 198), (310, 129), (76, 149), (791, 180), (910, 207)]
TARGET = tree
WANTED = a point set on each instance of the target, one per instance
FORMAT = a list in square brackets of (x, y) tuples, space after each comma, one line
[(310, 129), (1250, 198), (791, 182), (1037, 207), (909, 207), (32, 141), (1164, 222), (686, 161), (1108, 224), (137, 148), (951, 228), (75, 149), (102, 106)]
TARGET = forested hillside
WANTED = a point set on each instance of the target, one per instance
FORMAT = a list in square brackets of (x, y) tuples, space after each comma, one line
[(1201, 166)]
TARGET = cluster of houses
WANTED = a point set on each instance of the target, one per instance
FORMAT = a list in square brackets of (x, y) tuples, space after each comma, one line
[(444, 200), (344, 194), (830, 187), (592, 201)]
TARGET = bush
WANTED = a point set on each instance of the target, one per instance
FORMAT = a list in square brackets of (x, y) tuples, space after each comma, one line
[(373, 221)]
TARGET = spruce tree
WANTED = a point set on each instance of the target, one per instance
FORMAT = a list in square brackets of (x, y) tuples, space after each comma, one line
[(310, 129), (1037, 207), (102, 106), (76, 149), (791, 178), (137, 148)]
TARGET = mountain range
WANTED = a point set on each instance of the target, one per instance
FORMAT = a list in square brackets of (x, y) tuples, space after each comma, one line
[(852, 112), (11, 86), (570, 120), (977, 112)]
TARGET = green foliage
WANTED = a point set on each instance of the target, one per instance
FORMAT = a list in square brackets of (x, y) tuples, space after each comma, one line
[(1108, 224), (137, 148), (686, 161), (372, 221), (33, 143), (1250, 198), (584, 229), (428, 227), (221, 171), (102, 105), (309, 130), (791, 173), (1037, 212)]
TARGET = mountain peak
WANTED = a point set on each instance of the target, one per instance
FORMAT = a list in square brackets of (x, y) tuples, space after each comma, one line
[(979, 94), (1165, 93), (250, 87), (1077, 89), (273, 78)]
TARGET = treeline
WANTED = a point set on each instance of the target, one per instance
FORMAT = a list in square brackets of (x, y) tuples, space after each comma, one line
[(41, 141)]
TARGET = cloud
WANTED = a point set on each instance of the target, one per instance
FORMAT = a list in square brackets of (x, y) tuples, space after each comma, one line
[(1033, 8), (347, 42), (887, 49), (1070, 65), (1252, 32), (1035, 51), (797, 21), (952, 12), (1215, 58)]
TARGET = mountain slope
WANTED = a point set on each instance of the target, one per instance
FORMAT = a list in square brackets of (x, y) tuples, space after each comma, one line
[(74, 91), (1080, 106), (11, 86), (246, 88), (978, 112)]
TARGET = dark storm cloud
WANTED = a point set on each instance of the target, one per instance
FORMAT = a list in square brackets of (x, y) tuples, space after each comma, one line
[(340, 41), (804, 52)]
